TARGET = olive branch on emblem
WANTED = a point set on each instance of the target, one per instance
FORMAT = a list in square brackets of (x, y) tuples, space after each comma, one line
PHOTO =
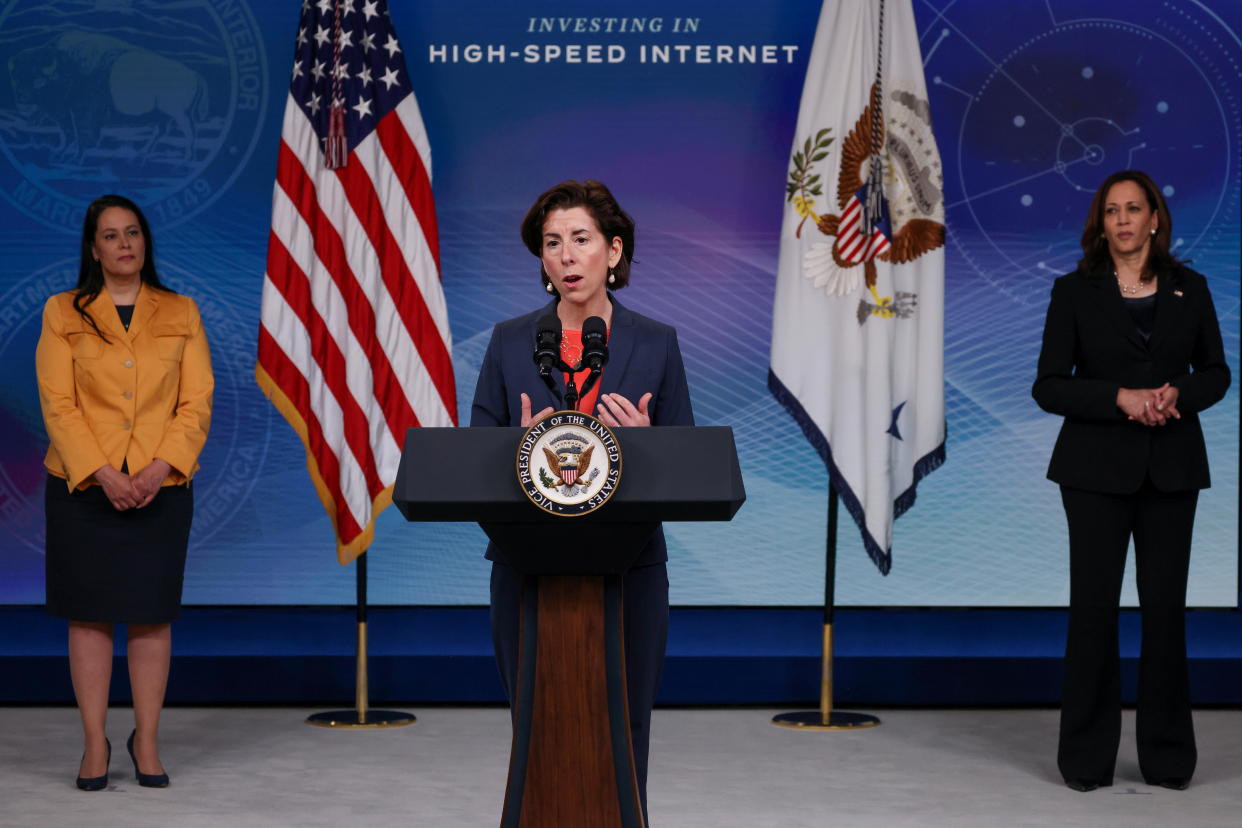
[(803, 184), (548, 482)]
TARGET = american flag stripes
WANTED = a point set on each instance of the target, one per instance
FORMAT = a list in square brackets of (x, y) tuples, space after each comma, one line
[(853, 245), (354, 343)]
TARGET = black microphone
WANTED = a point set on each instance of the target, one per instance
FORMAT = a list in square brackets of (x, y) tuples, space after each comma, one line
[(594, 350), (547, 344), (594, 343)]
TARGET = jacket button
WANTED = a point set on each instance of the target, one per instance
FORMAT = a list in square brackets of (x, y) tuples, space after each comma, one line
[(129, 363), (126, 425), (129, 395)]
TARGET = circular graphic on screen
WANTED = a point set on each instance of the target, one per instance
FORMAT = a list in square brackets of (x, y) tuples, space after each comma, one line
[(1046, 121), (161, 103)]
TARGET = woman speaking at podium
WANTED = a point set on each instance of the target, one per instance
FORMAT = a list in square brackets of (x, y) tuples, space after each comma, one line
[(1131, 354), (585, 243), (125, 384)]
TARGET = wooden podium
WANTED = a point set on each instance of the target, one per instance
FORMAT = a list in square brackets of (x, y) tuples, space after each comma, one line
[(571, 762)]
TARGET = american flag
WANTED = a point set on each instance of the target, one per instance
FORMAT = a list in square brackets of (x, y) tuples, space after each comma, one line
[(853, 242), (354, 344)]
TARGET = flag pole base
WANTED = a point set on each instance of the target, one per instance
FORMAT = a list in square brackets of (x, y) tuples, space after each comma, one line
[(815, 720), (352, 720), (826, 718), (362, 717)]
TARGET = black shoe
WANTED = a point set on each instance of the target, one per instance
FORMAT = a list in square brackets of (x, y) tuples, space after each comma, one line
[(1173, 783), (1086, 785), (146, 780), (96, 783)]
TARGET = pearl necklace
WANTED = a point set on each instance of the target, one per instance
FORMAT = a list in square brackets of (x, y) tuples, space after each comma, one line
[(1128, 290)]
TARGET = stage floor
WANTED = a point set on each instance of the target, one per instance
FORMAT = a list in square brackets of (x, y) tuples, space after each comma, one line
[(710, 768)]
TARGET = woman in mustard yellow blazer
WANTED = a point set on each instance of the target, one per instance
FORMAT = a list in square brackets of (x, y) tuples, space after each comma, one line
[(125, 384)]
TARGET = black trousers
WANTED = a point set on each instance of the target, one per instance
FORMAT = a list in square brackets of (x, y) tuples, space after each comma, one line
[(645, 619), (1100, 527)]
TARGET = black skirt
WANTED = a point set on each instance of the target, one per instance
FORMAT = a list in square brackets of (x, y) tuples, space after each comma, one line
[(121, 567)]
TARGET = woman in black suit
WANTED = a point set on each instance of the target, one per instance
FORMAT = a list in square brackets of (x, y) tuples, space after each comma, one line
[(1131, 354)]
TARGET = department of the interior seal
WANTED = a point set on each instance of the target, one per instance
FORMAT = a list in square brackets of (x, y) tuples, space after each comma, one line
[(569, 463), (164, 102)]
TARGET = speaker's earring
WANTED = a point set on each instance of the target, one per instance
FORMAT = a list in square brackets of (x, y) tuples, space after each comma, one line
[(1153, 232), (548, 287), (612, 277)]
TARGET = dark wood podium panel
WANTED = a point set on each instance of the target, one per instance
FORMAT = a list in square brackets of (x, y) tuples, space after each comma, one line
[(578, 767)]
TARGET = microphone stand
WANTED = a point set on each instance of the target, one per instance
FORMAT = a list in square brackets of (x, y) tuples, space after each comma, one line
[(545, 374), (591, 380), (571, 388), (572, 394)]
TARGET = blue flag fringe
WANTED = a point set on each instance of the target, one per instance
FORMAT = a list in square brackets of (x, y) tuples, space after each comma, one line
[(883, 558)]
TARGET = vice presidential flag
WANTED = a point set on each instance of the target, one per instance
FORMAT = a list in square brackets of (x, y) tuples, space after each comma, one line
[(354, 339), (858, 321)]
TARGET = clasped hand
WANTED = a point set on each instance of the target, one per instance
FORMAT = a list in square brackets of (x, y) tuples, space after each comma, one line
[(1149, 406), (132, 491), (613, 410)]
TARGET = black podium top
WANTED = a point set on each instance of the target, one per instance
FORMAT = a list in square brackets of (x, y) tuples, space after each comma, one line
[(668, 473)]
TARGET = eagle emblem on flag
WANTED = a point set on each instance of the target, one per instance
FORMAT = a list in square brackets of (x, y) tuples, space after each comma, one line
[(885, 200)]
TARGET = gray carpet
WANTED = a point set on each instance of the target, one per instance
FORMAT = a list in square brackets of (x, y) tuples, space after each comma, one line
[(713, 768)]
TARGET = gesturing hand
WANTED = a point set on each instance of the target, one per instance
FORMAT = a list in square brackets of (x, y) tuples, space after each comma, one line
[(615, 410), (118, 488), (147, 482), (527, 417)]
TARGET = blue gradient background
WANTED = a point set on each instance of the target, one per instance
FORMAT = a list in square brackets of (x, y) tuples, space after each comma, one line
[(1029, 116)]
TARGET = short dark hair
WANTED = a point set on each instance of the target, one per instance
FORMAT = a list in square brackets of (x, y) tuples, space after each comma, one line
[(596, 199), (1095, 255)]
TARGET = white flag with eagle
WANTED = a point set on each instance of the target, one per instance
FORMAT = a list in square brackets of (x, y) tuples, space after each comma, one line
[(858, 320)]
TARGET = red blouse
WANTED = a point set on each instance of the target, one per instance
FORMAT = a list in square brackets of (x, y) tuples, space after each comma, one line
[(571, 353)]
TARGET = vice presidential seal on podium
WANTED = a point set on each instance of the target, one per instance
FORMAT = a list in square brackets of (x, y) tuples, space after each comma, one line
[(569, 463)]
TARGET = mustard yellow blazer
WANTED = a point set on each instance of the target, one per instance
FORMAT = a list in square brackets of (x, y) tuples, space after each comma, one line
[(143, 394)]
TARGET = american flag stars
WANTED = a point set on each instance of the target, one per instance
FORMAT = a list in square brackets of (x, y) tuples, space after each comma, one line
[(351, 57), (354, 342)]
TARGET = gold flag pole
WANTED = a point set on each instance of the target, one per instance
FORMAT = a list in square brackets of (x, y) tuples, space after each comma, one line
[(826, 718), (362, 716)]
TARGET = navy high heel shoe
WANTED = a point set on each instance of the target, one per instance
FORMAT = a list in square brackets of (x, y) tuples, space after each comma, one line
[(146, 780), (96, 783)]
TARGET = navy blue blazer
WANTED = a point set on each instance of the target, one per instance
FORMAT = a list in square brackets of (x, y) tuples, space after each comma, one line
[(642, 356), (1092, 348)]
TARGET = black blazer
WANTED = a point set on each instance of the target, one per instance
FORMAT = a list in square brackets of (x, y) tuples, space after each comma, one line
[(1092, 348), (643, 356)]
